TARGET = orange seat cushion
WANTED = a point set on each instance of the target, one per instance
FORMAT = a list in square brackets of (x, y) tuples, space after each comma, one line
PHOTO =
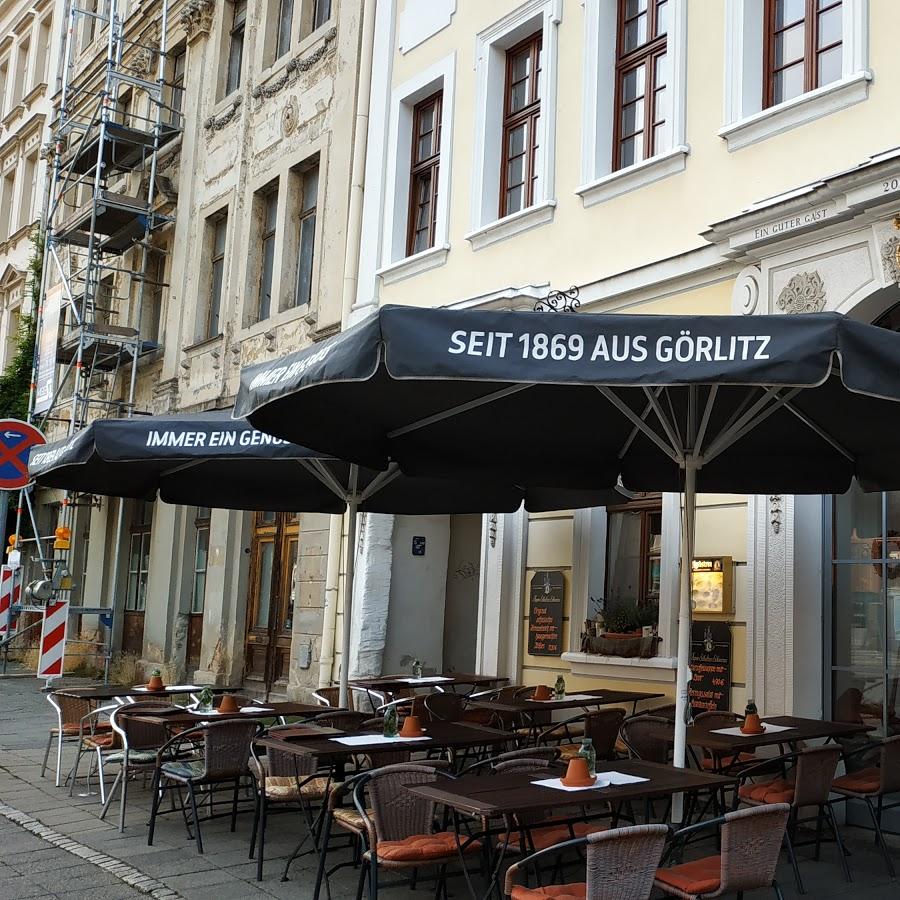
[(701, 876), (423, 848), (478, 716), (555, 834), (70, 728), (776, 791), (866, 781), (99, 740), (709, 764), (557, 891)]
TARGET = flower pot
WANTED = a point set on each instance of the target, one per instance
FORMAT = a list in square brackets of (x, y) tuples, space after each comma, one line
[(542, 692), (578, 774), (752, 725), (155, 683), (622, 635), (228, 704), (411, 727)]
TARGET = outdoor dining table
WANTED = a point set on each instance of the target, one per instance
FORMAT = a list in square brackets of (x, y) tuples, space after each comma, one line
[(485, 797), (104, 692), (183, 718), (725, 744), (391, 684)]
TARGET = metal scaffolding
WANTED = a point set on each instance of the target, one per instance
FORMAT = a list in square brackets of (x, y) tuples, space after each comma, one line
[(102, 210)]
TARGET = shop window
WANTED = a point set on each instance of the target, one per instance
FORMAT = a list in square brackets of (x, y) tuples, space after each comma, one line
[(521, 120), (634, 557), (139, 558), (306, 233), (201, 559), (236, 45), (267, 206), (803, 47), (217, 231), (425, 159)]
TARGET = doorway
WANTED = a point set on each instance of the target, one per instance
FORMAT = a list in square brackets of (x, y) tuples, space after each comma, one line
[(461, 603), (270, 612), (138, 576)]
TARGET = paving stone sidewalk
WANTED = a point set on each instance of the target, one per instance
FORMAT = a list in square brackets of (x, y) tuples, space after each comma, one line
[(99, 857)]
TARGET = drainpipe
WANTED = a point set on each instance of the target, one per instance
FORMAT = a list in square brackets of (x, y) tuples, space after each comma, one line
[(358, 170), (329, 619)]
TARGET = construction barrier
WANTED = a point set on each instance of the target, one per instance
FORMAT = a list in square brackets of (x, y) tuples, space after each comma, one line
[(10, 595), (53, 639)]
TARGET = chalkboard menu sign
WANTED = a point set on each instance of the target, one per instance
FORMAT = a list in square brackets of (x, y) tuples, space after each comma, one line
[(710, 687), (545, 614)]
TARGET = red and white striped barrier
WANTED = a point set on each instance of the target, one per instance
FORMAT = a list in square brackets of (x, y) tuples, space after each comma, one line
[(53, 639), (10, 587)]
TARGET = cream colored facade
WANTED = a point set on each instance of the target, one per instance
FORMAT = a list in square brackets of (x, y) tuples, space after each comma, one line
[(741, 210), (263, 158)]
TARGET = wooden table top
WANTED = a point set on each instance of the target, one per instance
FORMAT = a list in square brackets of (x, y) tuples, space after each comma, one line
[(504, 794), (800, 730), (111, 691), (180, 717), (590, 698), (441, 735), (448, 679)]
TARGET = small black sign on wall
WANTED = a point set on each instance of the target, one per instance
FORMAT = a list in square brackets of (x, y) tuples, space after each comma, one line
[(545, 613), (418, 545), (710, 687)]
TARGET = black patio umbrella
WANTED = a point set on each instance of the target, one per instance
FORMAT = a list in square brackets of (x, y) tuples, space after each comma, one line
[(212, 459), (794, 404)]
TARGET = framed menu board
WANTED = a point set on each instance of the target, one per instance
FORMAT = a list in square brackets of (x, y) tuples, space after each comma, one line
[(545, 613), (710, 685)]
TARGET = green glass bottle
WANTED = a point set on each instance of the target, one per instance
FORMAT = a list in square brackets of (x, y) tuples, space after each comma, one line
[(390, 722), (589, 753), (560, 687)]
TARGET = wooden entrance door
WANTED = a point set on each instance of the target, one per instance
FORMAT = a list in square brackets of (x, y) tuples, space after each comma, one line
[(270, 612), (138, 574)]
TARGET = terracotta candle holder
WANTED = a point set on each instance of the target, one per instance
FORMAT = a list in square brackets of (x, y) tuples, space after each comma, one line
[(752, 725), (228, 704), (412, 727), (542, 692), (155, 683), (578, 774)]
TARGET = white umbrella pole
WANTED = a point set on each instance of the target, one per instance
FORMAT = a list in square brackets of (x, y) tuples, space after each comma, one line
[(352, 506), (683, 673)]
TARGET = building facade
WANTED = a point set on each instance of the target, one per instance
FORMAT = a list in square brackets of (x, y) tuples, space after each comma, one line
[(665, 157), (248, 261)]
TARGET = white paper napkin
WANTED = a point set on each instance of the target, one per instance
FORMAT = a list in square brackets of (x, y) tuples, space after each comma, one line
[(736, 732), (425, 679), (358, 739), (604, 779), (257, 709), (209, 712), (571, 697), (557, 785), (183, 687)]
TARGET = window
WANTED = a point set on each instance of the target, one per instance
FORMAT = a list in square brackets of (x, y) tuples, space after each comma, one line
[(634, 554), (139, 557), (28, 202), (236, 46), (424, 169), (803, 47), (321, 13), (268, 205), (42, 50), (640, 115), (7, 190), (4, 85), (176, 87), (201, 559), (285, 26), (20, 87), (307, 234), (521, 118), (218, 226), (154, 293)]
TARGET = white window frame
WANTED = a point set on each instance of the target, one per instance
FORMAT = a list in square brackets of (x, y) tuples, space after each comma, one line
[(599, 181), (490, 75), (745, 121)]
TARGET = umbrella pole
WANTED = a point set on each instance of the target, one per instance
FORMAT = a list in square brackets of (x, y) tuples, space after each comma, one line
[(352, 508), (683, 673)]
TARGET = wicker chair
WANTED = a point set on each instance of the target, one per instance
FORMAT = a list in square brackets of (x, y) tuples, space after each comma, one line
[(750, 844), (445, 707), (225, 759), (400, 825), (873, 784), (810, 786), (602, 727), (139, 741), (546, 755), (283, 779), (343, 719), (648, 737), (621, 864), (331, 696), (94, 737), (70, 712)]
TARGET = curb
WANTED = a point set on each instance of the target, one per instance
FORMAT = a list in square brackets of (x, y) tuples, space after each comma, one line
[(128, 874)]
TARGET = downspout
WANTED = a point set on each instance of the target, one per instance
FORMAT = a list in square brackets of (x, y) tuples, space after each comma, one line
[(358, 169), (329, 618)]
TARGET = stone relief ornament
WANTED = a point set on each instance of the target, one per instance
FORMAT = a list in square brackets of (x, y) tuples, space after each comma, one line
[(746, 290), (804, 293), (289, 116), (297, 64), (890, 259), (196, 18), (217, 123), (775, 512)]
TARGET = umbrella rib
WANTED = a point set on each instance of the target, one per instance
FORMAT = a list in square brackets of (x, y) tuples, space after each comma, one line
[(456, 410), (661, 415), (632, 416), (821, 432), (704, 422), (747, 422), (636, 431), (382, 480), (315, 468)]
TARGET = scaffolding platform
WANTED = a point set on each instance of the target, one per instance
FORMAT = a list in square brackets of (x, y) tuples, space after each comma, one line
[(102, 346), (118, 218), (123, 149)]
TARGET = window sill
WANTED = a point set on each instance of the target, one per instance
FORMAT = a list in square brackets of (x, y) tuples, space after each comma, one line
[(203, 344), (657, 668), (510, 226), (273, 322), (634, 177), (818, 103), (415, 264)]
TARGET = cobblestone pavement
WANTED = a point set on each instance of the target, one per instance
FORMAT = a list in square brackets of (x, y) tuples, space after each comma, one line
[(52, 845)]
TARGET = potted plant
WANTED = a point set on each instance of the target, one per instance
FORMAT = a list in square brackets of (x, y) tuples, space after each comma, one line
[(622, 621), (205, 703), (155, 683)]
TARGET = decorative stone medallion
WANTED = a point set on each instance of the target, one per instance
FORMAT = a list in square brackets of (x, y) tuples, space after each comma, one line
[(890, 259), (289, 116), (804, 293)]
